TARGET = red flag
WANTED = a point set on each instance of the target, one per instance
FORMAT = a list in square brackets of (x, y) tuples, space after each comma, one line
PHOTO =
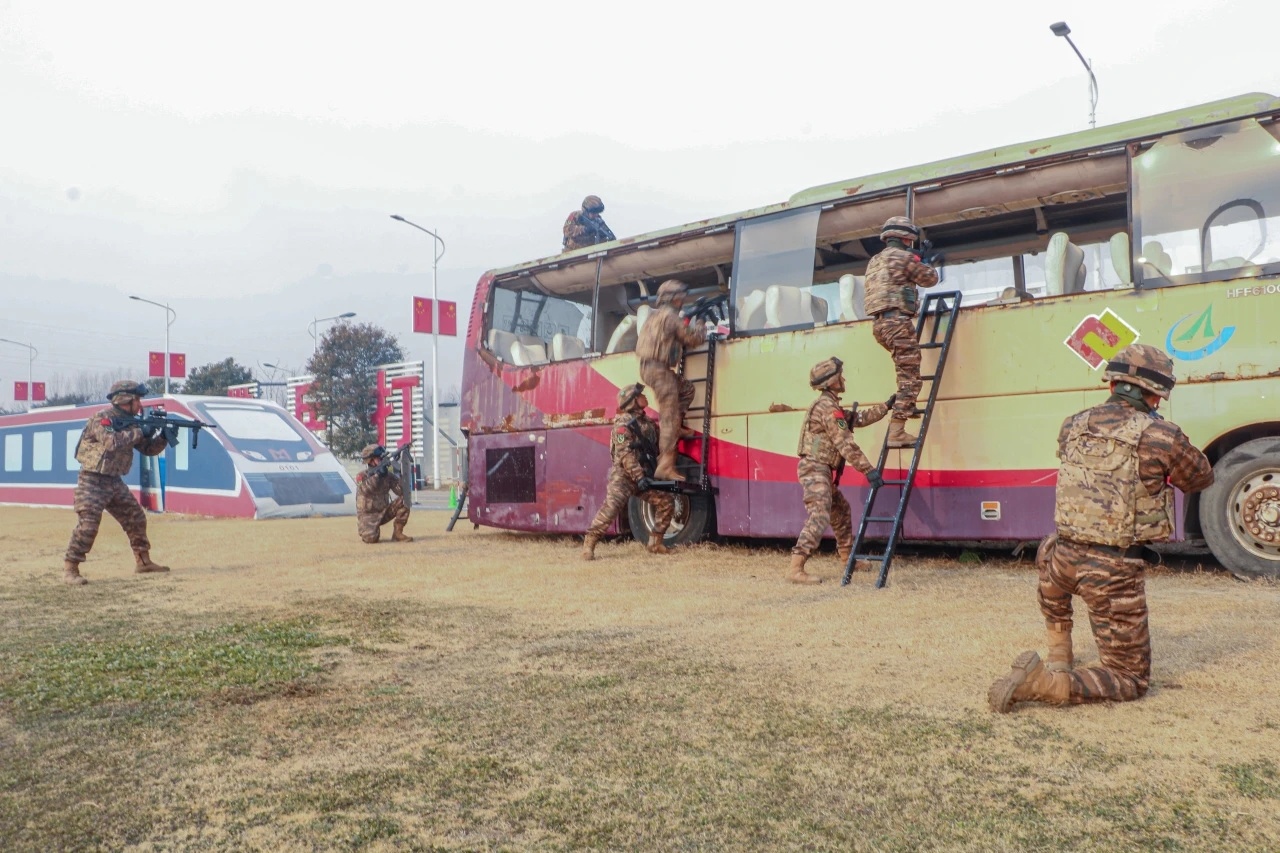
[(422, 315), (19, 391), (155, 364), (448, 318), (178, 365), (37, 392)]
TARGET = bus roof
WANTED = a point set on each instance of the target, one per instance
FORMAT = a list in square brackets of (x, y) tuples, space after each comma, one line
[(1108, 136)]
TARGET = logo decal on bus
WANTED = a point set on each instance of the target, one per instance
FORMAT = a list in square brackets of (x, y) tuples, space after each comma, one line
[(1199, 331), (1099, 337)]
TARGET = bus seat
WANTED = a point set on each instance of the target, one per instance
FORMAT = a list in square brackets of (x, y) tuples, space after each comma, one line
[(642, 314), (527, 354), (500, 342), (792, 306), (1227, 264), (624, 337), (565, 347), (1120, 258), (751, 311), (1063, 266), (853, 292), (1156, 258)]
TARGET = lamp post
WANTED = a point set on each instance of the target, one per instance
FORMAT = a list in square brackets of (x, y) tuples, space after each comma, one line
[(31, 357), (1061, 29), (170, 316), (311, 329), (435, 349)]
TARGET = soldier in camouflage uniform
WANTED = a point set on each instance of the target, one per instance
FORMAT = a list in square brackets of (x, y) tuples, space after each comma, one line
[(105, 454), (586, 227), (1119, 462), (893, 277), (632, 445), (660, 347), (826, 443), (373, 508)]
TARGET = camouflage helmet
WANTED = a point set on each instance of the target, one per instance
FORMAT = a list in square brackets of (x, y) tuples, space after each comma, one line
[(593, 204), (901, 227), (671, 289), (627, 395), (822, 374), (371, 451), (1142, 365), (128, 386)]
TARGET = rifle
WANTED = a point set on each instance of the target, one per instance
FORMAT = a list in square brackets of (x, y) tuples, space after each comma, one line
[(392, 460), (708, 308), (597, 230), (156, 421)]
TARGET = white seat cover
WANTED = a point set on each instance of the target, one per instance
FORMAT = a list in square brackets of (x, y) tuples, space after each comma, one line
[(565, 347)]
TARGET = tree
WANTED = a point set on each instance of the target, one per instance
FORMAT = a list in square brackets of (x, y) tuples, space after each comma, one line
[(345, 385), (216, 377)]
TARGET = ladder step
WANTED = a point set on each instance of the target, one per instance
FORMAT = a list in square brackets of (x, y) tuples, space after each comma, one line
[(884, 518), (934, 345), (691, 381), (895, 482), (879, 557), (924, 377)]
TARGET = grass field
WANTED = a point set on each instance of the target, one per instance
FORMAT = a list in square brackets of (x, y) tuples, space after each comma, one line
[(288, 688)]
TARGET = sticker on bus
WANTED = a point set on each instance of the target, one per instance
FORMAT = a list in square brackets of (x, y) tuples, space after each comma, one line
[(1100, 336)]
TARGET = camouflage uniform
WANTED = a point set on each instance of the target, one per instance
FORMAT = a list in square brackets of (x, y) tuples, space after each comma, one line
[(660, 347), (893, 277), (105, 454), (586, 227), (1119, 460), (373, 507)]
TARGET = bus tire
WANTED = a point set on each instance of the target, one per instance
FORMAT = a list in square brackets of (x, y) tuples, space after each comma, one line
[(1242, 509), (693, 519)]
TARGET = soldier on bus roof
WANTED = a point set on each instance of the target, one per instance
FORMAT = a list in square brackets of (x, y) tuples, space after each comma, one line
[(586, 227)]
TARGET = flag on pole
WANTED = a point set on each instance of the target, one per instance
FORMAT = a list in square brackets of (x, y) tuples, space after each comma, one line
[(155, 364), (19, 391), (178, 365), (37, 392), (422, 315), (448, 318)]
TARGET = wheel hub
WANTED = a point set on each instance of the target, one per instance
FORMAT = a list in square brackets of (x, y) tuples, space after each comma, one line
[(1261, 514), (1255, 513)]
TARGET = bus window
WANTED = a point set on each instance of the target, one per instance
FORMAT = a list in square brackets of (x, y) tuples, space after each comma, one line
[(1207, 205), (773, 273), (979, 281), (529, 327), (13, 452), (42, 451), (73, 441), (1099, 267)]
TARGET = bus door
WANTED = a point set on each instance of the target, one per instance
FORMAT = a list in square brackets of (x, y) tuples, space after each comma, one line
[(508, 479)]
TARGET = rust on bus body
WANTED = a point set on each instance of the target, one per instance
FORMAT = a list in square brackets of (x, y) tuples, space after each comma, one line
[(590, 417)]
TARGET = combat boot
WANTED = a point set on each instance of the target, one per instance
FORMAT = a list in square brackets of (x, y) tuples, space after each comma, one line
[(798, 574), (589, 546), (898, 436), (667, 468), (656, 546), (397, 532), (1060, 657), (1028, 680), (688, 432), (145, 565), (71, 574)]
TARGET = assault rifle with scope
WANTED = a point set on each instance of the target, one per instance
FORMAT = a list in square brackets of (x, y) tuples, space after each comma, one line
[(156, 421), (391, 461)]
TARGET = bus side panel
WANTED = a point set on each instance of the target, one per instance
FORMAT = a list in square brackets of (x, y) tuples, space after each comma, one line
[(577, 472), (730, 470), (508, 480)]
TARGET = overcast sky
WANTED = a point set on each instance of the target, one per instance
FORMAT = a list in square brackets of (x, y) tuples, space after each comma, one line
[(240, 160)]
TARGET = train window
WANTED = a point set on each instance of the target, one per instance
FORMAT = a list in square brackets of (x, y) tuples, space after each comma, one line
[(42, 451), (73, 439), (13, 453), (182, 452)]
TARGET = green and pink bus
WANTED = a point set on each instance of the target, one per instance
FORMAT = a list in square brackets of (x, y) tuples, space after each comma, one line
[(1164, 230)]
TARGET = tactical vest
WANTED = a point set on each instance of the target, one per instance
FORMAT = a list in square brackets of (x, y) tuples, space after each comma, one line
[(815, 444), (94, 455), (1100, 498), (643, 443)]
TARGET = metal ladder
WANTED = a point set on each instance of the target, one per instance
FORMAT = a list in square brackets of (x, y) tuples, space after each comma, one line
[(936, 307), (697, 480)]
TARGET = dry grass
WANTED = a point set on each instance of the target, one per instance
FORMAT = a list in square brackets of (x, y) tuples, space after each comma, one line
[(288, 687)]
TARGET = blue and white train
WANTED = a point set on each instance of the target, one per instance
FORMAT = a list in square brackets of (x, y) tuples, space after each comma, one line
[(260, 462)]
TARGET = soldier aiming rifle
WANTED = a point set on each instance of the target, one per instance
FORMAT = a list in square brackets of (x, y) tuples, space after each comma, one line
[(156, 422)]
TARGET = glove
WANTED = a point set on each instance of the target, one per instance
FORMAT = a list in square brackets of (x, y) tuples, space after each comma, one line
[(888, 404), (875, 478), (643, 485)]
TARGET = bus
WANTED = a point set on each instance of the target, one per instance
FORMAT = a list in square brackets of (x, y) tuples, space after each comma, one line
[(1164, 230), (259, 462)]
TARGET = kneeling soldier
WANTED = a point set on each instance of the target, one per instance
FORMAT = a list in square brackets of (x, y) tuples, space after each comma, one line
[(105, 454), (826, 443), (633, 446), (372, 506)]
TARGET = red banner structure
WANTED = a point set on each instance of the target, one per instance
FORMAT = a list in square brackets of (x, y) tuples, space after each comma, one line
[(37, 392), (19, 392), (155, 365), (178, 365), (422, 316)]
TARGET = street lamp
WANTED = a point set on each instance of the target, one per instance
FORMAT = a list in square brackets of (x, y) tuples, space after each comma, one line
[(170, 316), (1061, 29), (30, 362), (435, 350), (311, 329)]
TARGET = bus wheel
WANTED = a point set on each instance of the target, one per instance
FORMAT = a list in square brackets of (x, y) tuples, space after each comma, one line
[(1240, 512), (692, 521)]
